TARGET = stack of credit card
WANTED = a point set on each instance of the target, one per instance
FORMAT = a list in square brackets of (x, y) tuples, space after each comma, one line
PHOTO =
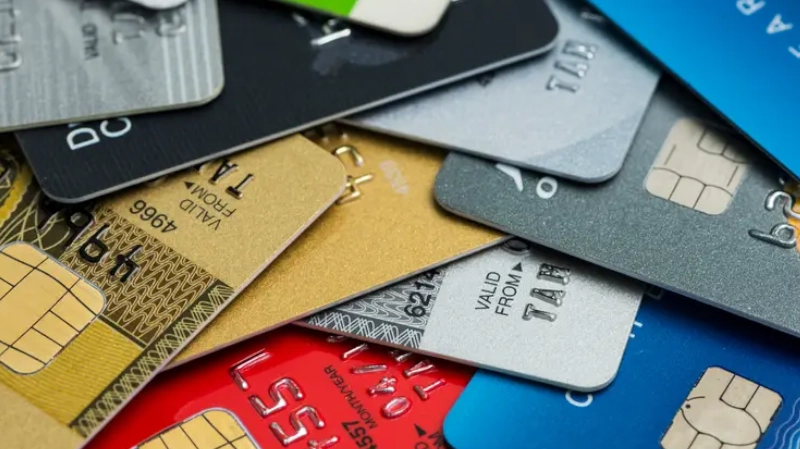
[(380, 224)]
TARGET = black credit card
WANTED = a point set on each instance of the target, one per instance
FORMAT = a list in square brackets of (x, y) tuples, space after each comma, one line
[(285, 71)]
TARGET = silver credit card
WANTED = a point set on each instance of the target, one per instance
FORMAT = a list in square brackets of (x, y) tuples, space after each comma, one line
[(71, 60), (572, 112), (518, 309), (695, 210)]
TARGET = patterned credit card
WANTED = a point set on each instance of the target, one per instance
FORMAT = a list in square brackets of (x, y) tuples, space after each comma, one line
[(693, 377), (385, 227), (293, 388), (94, 299), (490, 308)]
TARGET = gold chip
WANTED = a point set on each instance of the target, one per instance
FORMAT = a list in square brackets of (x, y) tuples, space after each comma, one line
[(43, 306), (723, 411), (697, 167), (211, 429)]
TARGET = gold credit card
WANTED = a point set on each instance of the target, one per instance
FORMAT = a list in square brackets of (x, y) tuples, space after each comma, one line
[(386, 226), (95, 299)]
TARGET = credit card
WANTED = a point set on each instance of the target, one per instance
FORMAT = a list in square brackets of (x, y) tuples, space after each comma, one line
[(64, 61), (326, 70), (518, 309), (404, 17), (385, 227), (571, 113), (754, 85), (95, 299), (160, 4), (293, 388), (694, 210), (693, 377)]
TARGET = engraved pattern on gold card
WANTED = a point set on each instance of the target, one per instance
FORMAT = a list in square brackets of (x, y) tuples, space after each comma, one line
[(140, 370), (166, 283), (723, 411), (698, 167), (15, 180), (211, 429), (43, 306), (20, 214)]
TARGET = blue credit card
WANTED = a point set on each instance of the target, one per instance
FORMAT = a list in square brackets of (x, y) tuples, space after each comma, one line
[(741, 56), (692, 377)]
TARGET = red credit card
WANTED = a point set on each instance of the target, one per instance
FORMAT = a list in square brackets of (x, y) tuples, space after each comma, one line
[(293, 388)]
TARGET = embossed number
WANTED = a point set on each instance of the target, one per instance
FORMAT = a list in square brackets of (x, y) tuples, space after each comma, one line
[(300, 429), (779, 197), (276, 395), (782, 234)]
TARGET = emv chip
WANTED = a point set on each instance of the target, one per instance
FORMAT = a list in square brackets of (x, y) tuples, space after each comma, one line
[(211, 429), (723, 411), (43, 307), (698, 168)]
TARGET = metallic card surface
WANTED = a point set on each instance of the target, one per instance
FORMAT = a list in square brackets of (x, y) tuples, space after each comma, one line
[(64, 61), (94, 299), (572, 113), (693, 377), (404, 17), (326, 71), (754, 86), (693, 210), (385, 227), (293, 388), (518, 309)]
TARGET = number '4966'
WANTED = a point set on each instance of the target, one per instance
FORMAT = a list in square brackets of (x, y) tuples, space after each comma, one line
[(150, 215)]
